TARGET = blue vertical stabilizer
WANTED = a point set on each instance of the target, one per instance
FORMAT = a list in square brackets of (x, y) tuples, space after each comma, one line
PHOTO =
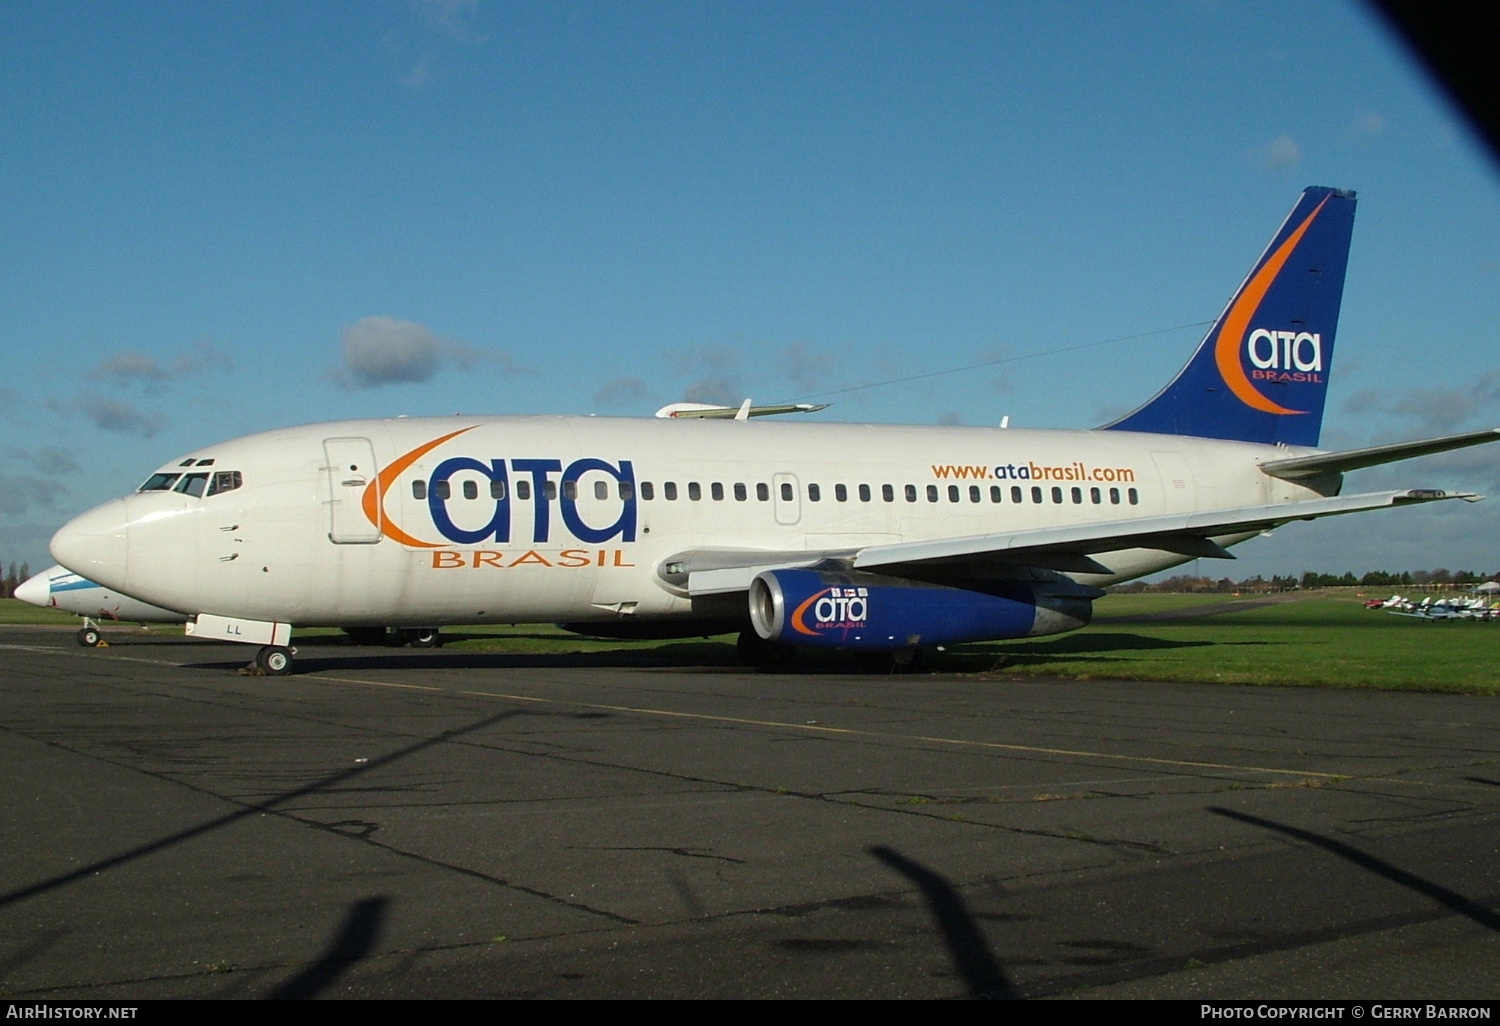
[(1261, 374)]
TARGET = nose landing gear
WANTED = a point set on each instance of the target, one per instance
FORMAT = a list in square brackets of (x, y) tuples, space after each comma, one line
[(273, 661)]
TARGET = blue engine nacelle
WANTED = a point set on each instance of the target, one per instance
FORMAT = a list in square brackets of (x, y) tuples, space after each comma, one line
[(834, 609)]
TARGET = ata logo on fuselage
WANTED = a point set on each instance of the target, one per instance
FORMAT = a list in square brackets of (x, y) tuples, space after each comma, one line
[(595, 499)]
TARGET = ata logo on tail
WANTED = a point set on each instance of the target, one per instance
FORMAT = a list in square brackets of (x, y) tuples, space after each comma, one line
[(1286, 348)]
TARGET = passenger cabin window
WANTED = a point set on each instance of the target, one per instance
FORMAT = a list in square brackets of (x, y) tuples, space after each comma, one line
[(626, 491), (1056, 494), (1036, 493), (419, 490), (841, 493), (814, 493), (570, 490), (911, 493), (695, 491), (763, 492), (523, 490), (497, 489), (786, 491), (442, 489), (717, 491), (1134, 496), (1077, 495), (864, 493), (996, 493), (932, 495), (953, 493), (549, 490), (648, 491), (669, 491), (1015, 493), (740, 495), (471, 489), (888, 493)]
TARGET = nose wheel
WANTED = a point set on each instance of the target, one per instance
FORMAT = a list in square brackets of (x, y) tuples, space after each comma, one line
[(274, 660)]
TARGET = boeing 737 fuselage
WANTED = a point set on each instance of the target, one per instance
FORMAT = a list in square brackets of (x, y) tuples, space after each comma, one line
[(837, 535)]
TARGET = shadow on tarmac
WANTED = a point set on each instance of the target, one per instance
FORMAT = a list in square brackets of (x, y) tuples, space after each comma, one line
[(355, 939), (269, 805), (971, 955), (1448, 899)]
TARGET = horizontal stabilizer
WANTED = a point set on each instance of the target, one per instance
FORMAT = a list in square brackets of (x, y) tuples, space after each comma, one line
[(1301, 467)]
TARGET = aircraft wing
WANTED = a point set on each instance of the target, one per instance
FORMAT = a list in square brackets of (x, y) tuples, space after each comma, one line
[(1069, 549)]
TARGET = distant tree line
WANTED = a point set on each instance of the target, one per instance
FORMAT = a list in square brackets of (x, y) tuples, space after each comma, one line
[(13, 578), (1439, 578)]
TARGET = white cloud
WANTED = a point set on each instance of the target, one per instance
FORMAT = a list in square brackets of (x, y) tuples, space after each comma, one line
[(717, 391), (454, 19), (626, 391), (1281, 152), (21, 493), (1367, 124), (385, 351), (130, 366), (46, 460), (112, 415), (805, 366)]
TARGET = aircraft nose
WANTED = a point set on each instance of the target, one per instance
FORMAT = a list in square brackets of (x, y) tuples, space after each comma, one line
[(95, 544), (35, 590)]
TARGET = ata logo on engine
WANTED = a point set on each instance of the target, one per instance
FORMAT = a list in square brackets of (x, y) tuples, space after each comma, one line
[(833, 609)]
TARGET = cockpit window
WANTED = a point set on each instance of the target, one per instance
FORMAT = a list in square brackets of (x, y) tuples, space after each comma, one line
[(225, 481), (192, 484), (159, 482)]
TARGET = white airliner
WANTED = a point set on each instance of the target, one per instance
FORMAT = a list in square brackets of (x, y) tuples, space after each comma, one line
[(57, 588), (853, 536)]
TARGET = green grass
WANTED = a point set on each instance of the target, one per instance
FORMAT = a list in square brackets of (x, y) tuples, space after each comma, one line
[(14, 611), (1324, 639)]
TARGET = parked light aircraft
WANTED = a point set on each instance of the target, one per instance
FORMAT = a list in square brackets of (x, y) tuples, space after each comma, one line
[(851, 536), (57, 588)]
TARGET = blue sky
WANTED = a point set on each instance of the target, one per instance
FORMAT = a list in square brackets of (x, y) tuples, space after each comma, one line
[(217, 219)]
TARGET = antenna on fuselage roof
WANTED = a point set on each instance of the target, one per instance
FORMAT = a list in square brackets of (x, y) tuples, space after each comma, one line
[(707, 411)]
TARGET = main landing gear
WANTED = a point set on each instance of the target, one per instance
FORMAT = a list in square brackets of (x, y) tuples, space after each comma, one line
[(416, 637), (757, 651)]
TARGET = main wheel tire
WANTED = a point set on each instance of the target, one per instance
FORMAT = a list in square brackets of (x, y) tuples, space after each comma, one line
[(89, 637), (423, 638), (365, 635), (274, 661)]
